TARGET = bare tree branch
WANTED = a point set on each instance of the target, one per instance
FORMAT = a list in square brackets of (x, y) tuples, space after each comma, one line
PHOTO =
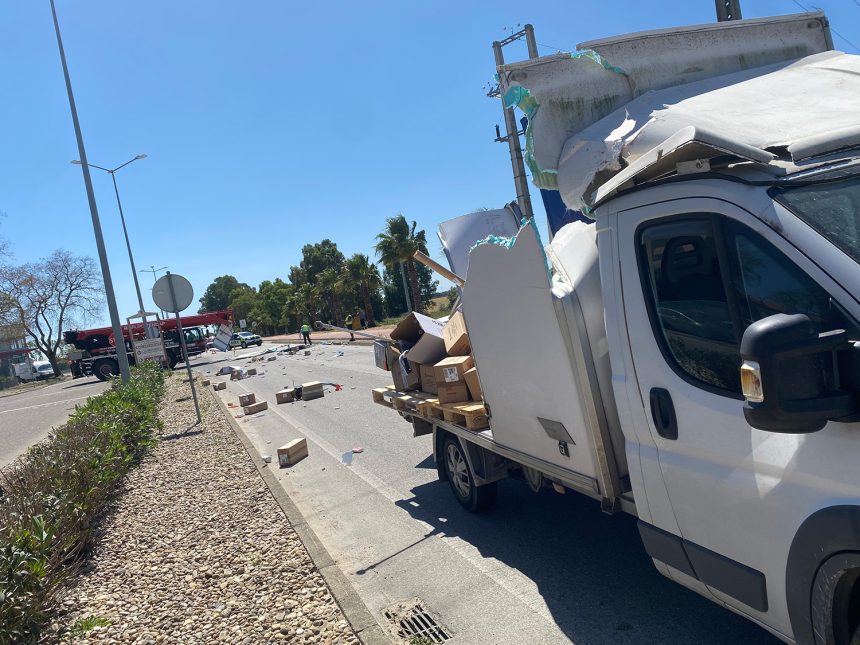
[(46, 297)]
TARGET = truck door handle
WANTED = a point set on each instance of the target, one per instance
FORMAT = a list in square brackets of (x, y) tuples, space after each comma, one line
[(663, 413)]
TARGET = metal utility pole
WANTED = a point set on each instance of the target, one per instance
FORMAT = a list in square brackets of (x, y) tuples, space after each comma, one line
[(512, 131), (122, 219), (181, 333), (728, 10), (154, 271), (116, 325)]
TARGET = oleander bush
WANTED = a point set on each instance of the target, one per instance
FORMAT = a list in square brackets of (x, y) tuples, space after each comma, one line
[(52, 498)]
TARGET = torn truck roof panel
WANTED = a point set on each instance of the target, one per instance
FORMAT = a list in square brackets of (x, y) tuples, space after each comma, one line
[(767, 109), (564, 94)]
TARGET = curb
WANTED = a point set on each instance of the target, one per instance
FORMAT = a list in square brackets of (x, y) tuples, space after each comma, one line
[(360, 618)]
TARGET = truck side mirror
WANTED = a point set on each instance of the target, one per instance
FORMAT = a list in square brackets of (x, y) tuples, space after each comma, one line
[(790, 375)]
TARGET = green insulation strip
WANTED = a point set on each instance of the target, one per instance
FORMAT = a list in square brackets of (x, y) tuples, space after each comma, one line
[(519, 96)]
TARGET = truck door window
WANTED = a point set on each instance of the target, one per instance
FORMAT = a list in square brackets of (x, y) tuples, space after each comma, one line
[(686, 265), (765, 282), (681, 268)]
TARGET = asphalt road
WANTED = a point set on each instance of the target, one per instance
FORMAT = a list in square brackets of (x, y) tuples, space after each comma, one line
[(543, 568), (28, 417)]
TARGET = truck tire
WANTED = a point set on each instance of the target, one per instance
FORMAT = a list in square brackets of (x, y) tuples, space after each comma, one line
[(105, 368), (473, 498)]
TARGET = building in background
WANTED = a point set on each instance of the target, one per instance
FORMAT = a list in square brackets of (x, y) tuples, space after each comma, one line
[(13, 349)]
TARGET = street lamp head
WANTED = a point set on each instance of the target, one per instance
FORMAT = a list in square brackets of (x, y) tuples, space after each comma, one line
[(77, 162), (140, 157)]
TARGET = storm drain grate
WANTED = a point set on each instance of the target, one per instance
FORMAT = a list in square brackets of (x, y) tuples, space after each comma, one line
[(412, 622)]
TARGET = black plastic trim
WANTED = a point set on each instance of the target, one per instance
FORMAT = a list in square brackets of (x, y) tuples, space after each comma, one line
[(665, 547), (734, 579), (743, 583), (823, 534)]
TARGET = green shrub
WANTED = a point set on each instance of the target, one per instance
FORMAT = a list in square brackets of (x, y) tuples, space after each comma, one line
[(53, 497)]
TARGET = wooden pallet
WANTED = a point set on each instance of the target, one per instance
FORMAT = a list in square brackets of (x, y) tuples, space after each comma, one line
[(471, 415)]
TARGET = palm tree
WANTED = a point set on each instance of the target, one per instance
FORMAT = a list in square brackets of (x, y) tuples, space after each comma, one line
[(302, 304), (328, 288), (361, 271), (396, 245)]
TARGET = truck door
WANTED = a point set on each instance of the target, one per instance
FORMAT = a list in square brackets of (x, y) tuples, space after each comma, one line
[(696, 273)]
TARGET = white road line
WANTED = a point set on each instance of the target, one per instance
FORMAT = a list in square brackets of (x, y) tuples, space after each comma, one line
[(42, 405)]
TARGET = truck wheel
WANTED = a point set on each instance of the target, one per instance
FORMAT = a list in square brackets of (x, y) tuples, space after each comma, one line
[(105, 368), (473, 498)]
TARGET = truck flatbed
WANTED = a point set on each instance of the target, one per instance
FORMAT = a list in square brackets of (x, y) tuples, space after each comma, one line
[(456, 418)]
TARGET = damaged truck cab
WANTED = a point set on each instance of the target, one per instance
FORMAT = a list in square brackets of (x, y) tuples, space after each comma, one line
[(691, 353)]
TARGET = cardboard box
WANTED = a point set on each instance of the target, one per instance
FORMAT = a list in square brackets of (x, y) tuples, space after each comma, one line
[(287, 395), (247, 399), (205, 382), (404, 379), (313, 394), (251, 371), (312, 390), (456, 337), (425, 336), (450, 371), (474, 385), (380, 354), (255, 407), (292, 453), (428, 378), (220, 385), (452, 393)]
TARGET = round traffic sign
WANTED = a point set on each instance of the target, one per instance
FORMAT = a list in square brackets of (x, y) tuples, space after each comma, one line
[(172, 300)]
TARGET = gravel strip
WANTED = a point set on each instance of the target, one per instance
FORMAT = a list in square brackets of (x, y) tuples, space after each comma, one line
[(198, 551)]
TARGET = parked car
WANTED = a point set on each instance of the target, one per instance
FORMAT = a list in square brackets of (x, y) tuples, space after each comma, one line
[(244, 338)]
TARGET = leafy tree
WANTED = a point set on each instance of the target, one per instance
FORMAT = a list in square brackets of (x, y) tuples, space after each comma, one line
[(396, 245), (217, 295), (57, 293), (361, 271), (242, 300), (269, 306), (330, 287), (302, 305), (316, 258)]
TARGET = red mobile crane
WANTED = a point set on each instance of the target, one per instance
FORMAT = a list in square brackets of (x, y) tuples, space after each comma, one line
[(96, 348)]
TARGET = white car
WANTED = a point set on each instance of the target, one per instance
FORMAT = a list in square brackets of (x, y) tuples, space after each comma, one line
[(244, 338)]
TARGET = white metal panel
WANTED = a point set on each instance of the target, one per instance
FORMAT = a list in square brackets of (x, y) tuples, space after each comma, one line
[(460, 234), (520, 353)]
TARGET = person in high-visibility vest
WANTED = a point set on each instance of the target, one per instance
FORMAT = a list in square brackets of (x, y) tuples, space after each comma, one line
[(306, 333)]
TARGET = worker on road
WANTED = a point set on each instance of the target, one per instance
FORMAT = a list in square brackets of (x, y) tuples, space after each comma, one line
[(306, 333)]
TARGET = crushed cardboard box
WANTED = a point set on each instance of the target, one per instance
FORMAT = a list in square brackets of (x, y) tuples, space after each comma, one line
[(287, 395), (247, 399), (424, 334), (255, 407)]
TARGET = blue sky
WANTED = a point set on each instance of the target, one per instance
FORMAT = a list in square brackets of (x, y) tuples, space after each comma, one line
[(272, 124)]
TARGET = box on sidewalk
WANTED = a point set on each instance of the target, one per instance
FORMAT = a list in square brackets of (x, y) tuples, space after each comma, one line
[(292, 453), (287, 395), (255, 407), (428, 378), (205, 382), (220, 385), (251, 371), (474, 385), (455, 335), (247, 399)]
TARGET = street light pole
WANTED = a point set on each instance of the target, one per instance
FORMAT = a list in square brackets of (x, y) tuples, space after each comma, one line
[(122, 219), (154, 271), (116, 325)]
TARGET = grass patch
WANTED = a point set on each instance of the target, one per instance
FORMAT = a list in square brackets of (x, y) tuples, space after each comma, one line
[(53, 497), (81, 626)]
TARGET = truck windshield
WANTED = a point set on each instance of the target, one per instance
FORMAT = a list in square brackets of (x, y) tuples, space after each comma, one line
[(831, 207)]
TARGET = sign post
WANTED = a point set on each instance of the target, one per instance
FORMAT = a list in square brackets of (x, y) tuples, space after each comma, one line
[(151, 347), (174, 293)]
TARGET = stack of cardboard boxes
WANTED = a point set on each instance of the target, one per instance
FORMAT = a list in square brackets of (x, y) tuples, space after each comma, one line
[(433, 357)]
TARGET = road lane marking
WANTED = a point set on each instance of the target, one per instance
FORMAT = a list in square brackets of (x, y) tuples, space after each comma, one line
[(42, 405)]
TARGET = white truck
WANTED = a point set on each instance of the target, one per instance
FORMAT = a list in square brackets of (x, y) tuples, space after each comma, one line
[(33, 371), (690, 357)]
